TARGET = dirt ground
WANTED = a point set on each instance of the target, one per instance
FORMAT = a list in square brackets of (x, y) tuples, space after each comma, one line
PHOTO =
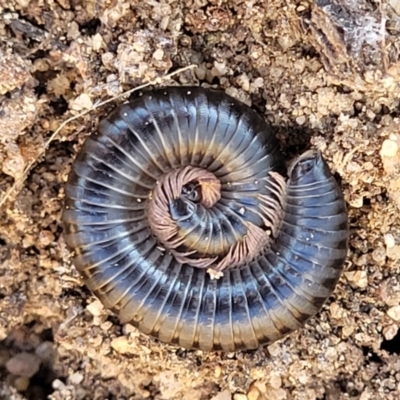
[(324, 73)]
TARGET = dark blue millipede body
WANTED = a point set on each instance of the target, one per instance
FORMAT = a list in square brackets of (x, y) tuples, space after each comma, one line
[(186, 222)]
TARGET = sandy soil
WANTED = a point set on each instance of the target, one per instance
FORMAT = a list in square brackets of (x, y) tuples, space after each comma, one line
[(324, 74)]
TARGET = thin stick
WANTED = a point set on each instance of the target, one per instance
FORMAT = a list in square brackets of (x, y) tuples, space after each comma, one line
[(28, 167), (382, 8)]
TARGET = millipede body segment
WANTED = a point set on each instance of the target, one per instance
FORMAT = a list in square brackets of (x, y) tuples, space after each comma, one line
[(186, 222)]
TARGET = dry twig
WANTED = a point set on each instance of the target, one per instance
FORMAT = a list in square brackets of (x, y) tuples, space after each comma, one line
[(28, 167)]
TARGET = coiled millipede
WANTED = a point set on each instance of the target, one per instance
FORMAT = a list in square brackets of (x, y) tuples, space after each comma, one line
[(186, 222)]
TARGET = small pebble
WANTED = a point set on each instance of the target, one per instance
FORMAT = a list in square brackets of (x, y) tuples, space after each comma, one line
[(46, 237), (357, 278), (106, 325), (218, 371), (389, 332), (219, 68), (76, 378), (23, 364), (389, 240), (58, 385), (225, 395), (393, 252), (285, 42), (301, 120), (389, 148), (331, 354), (127, 329), (244, 82), (254, 394), (275, 381), (394, 313), (122, 345), (109, 369), (46, 352), (21, 383), (82, 102), (80, 393), (347, 331), (395, 4), (158, 54), (366, 395), (356, 201), (379, 255), (389, 291), (95, 308), (275, 394), (274, 349), (3, 331), (239, 396), (337, 312)]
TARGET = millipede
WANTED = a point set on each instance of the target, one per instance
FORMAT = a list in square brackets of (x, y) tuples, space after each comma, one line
[(186, 221)]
